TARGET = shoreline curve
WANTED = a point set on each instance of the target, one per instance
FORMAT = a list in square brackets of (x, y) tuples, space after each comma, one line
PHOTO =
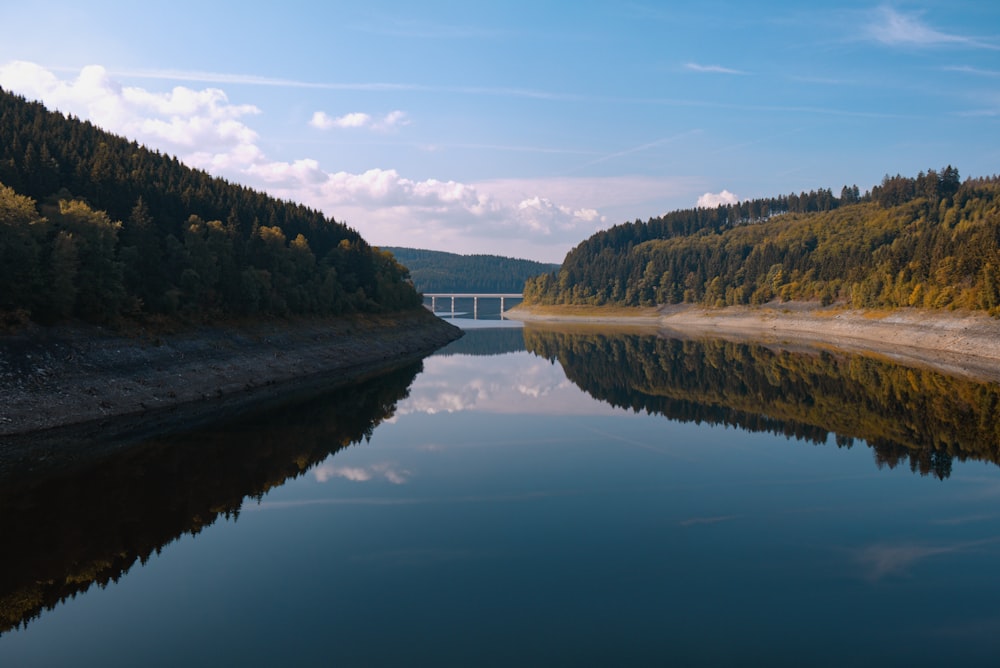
[(961, 343), (76, 384)]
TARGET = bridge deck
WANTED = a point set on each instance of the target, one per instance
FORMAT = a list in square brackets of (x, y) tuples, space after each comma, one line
[(475, 296)]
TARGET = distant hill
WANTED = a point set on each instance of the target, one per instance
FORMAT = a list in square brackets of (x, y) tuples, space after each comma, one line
[(437, 271), (929, 241)]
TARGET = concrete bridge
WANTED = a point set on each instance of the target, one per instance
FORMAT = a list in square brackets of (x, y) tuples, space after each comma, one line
[(474, 296)]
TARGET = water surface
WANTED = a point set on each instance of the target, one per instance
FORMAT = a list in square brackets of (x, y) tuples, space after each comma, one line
[(545, 497)]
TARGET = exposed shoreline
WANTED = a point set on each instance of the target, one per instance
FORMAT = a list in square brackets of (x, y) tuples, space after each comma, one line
[(956, 342), (75, 383)]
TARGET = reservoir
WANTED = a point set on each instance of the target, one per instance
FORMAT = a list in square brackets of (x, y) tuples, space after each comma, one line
[(537, 496)]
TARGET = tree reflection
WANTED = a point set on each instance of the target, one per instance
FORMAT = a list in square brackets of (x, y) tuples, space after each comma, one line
[(903, 413), (65, 533)]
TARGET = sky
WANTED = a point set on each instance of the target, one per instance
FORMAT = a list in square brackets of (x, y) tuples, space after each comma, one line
[(521, 128)]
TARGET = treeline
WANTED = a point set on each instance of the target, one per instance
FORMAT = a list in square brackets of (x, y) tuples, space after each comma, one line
[(436, 271), (905, 414), (95, 227), (928, 241)]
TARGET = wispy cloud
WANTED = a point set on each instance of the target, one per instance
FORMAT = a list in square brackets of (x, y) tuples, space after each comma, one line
[(823, 81), (639, 148), (421, 29), (894, 28), (712, 69), (198, 76), (965, 69), (510, 149)]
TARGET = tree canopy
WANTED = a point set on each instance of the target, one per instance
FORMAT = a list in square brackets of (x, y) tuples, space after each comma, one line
[(930, 241), (96, 227)]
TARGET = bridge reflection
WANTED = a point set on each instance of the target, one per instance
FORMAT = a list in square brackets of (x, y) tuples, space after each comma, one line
[(475, 297)]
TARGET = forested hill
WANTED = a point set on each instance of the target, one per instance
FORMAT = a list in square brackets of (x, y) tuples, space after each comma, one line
[(930, 241), (95, 227), (436, 271)]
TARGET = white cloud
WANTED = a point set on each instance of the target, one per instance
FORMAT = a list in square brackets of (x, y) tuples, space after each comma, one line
[(712, 200), (390, 121), (894, 28), (202, 127), (205, 130), (324, 121), (395, 118), (432, 209)]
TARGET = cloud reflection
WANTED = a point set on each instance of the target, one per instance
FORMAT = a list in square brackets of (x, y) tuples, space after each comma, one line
[(505, 384), (386, 470), (882, 560)]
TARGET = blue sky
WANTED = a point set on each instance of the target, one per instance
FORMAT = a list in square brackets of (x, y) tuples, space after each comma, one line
[(520, 128)]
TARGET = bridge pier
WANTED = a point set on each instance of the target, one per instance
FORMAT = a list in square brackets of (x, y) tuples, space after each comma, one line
[(475, 297)]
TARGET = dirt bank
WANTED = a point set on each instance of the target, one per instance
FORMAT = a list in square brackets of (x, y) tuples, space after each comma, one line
[(99, 380), (955, 342)]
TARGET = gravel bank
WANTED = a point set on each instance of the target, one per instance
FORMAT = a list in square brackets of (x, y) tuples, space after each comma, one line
[(96, 380)]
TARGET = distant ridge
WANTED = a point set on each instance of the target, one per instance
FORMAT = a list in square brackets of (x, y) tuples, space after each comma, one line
[(438, 271)]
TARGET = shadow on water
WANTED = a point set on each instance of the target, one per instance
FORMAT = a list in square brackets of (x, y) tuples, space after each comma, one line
[(64, 533), (904, 414)]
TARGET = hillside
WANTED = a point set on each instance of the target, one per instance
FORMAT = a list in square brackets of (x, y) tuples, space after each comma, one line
[(436, 271), (96, 228), (929, 241)]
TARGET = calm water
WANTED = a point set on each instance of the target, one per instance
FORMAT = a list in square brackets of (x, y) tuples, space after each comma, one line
[(537, 497)]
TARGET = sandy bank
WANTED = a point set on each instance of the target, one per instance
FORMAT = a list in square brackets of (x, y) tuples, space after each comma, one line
[(959, 343), (101, 381)]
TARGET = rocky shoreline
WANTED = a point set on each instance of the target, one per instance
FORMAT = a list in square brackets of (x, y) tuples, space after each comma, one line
[(77, 382), (959, 343)]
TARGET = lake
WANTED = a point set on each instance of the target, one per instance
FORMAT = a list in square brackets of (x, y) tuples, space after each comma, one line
[(550, 496)]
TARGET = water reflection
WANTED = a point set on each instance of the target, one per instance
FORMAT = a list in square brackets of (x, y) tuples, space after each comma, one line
[(63, 534), (487, 371), (533, 516), (903, 413)]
